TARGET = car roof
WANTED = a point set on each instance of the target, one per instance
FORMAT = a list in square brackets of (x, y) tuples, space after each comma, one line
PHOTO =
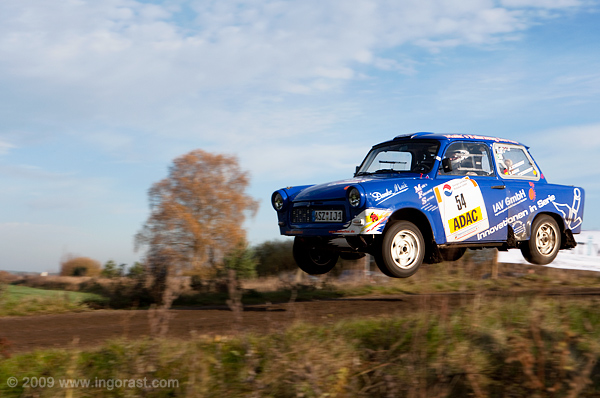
[(453, 137)]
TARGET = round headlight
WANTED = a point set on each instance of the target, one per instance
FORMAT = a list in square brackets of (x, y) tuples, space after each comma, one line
[(277, 201), (354, 197)]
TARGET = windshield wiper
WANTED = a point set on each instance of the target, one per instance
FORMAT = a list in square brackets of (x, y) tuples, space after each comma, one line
[(382, 171)]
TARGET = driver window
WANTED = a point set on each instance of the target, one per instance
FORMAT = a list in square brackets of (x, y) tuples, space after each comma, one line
[(468, 159)]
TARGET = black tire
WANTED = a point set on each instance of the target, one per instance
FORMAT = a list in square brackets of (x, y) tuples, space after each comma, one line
[(544, 243), (453, 253), (381, 265), (312, 259), (402, 250)]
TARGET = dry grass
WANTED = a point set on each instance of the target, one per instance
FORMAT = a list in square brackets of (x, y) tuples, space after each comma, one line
[(70, 283), (20, 300), (468, 275), (532, 347), (266, 284)]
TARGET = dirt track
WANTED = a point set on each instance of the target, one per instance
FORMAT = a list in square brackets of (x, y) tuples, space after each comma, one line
[(93, 328)]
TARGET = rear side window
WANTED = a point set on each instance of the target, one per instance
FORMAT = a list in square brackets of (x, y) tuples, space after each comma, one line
[(514, 162)]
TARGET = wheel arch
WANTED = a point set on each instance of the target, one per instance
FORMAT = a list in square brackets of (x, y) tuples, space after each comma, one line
[(417, 217), (542, 249), (565, 234)]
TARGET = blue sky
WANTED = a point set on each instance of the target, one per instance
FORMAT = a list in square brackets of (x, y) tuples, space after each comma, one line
[(98, 97)]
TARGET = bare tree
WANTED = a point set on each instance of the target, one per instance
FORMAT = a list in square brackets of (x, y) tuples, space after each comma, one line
[(197, 214)]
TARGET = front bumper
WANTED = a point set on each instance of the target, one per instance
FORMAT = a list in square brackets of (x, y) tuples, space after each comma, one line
[(368, 221)]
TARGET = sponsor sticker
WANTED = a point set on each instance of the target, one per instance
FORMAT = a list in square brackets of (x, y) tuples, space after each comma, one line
[(462, 208), (464, 220), (381, 197), (370, 221)]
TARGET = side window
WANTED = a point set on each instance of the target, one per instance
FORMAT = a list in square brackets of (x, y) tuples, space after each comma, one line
[(468, 159), (514, 162)]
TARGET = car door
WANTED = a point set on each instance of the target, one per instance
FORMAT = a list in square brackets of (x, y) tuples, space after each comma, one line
[(519, 173), (470, 194)]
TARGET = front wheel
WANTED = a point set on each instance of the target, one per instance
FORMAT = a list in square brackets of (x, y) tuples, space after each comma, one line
[(312, 259), (402, 250), (544, 243)]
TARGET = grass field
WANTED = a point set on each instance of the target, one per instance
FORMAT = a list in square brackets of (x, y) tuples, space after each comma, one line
[(464, 276), (529, 347), (23, 300), (14, 292)]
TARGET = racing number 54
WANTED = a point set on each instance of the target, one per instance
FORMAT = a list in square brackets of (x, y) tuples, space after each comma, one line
[(460, 202)]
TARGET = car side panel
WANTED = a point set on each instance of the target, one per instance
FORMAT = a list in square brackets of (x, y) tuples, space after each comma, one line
[(565, 201), (526, 200), (467, 208), (408, 194)]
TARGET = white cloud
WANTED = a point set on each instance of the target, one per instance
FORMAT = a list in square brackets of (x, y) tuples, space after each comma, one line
[(174, 67), (407, 66), (110, 141), (548, 4), (34, 188), (5, 147), (282, 163), (124, 49), (29, 172)]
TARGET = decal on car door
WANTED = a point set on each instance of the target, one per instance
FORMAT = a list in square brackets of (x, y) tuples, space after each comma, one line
[(462, 209)]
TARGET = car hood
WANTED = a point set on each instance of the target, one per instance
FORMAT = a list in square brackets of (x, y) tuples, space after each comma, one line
[(337, 189)]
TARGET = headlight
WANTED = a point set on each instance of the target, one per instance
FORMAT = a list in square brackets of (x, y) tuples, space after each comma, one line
[(277, 201), (354, 197)]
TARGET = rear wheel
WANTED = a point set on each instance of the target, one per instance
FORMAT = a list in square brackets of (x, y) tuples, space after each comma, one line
[(402, 250), (312, 259), (544, 243)]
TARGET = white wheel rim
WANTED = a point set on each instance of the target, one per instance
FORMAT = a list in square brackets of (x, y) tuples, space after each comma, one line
[(405, 249), (545, 239)]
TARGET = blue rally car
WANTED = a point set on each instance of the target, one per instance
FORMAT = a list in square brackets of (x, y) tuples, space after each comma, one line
[(426, 198)]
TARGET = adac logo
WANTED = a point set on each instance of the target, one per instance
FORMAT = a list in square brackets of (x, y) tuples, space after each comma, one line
[(447, 190)]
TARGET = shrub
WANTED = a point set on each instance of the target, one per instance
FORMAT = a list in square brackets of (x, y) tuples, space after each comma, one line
[(136, 270), (274, 257), (241, 260), (80, 266), (112, 270)]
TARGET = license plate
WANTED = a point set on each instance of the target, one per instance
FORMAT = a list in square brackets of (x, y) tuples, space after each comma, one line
[(328, 216)]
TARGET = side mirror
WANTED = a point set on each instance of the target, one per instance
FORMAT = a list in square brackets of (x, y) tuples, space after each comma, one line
[(447, 165), (356, 170)]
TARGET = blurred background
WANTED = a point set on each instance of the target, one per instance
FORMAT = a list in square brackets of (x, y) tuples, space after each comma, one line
[(99, 97)]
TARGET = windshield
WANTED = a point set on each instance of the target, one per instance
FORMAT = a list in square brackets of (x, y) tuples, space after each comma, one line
[(408, 156)]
